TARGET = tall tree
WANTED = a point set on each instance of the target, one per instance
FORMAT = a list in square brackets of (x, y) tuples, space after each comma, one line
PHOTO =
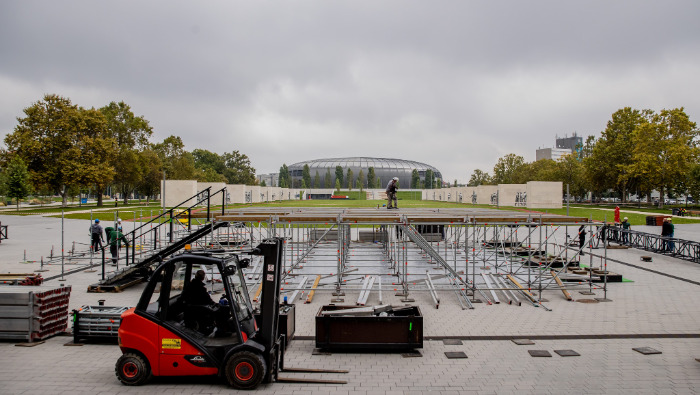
[(541, 170), (48, 137), (371, 177), (664, 149), (415, 179), (17, 179), (337, 184), (569, 170), (509, 170), (238, 169), (327, 181), (360, 180), (612, 153), (284, 177), (317, 180), (178, 164), (479, 177), (151, 166), (350, 179), (306, 176), (694, 181), (93, 152), (131, 134), (429, 179), (339, 174), (208, 174), (204, 159)]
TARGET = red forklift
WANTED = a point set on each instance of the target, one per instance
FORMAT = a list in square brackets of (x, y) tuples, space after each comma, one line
[(166, 335)]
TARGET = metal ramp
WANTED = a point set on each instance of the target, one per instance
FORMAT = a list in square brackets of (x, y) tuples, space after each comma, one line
[(452, 275), (138, 272)]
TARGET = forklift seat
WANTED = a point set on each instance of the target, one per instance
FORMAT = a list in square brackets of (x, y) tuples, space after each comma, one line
[(199, 317)]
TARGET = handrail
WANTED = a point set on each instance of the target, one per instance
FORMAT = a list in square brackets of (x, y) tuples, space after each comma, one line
[(176, 206), (132, 235), (680, 248)]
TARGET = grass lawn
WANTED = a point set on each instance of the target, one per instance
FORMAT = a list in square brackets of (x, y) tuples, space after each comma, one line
[(597, 213)]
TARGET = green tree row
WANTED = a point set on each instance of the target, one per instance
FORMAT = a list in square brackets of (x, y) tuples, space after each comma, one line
[(65, 146), (347, 179), (639, 151)]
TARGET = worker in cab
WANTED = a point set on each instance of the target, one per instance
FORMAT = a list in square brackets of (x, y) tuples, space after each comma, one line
[(202, 311)]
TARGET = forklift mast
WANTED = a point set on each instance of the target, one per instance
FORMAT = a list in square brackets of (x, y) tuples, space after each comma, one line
[(268, 331)]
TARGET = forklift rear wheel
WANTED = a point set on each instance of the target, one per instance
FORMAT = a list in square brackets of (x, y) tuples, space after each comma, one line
[(245, 370), (132, 369)]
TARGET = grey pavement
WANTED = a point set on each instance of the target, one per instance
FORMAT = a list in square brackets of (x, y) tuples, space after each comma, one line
[(651, 311)]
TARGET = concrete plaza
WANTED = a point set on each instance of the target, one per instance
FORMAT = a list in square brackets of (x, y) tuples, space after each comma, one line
[(653, 310)]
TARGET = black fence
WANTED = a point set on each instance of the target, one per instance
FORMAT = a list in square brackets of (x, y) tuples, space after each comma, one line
[(685, 249)]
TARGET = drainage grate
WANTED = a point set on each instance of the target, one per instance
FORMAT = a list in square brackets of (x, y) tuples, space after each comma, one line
[(539, 353), (455, 354), (567, 353), (646, 350)]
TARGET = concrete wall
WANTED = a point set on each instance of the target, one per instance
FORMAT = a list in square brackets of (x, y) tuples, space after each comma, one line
[(544, 194), (512, 195), (236, 193), (254, 191), (485, 193), (462, 195), (534, 194), (176, 191), (319, 190), (215, 186)]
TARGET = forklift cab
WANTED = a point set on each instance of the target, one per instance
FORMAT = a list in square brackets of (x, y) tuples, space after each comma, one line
[(169, 298)]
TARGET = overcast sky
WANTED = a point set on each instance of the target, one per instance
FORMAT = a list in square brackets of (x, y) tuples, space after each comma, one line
[(455, 84)]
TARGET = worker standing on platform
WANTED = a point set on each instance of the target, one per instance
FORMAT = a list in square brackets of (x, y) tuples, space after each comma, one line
[(625, 229), (391, 189)]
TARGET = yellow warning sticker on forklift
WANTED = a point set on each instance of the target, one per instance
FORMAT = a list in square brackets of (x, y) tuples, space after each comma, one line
[(172, 344)]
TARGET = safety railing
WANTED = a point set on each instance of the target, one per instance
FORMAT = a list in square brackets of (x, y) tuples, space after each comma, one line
[(680, 248)]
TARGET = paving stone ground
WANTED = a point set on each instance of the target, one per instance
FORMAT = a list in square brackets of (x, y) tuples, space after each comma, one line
[(652, 311)]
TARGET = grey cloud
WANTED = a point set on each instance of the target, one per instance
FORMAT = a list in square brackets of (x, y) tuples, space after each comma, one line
[(451, 83)]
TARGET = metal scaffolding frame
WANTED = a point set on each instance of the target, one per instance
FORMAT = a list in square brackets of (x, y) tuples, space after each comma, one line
[(482, 255)]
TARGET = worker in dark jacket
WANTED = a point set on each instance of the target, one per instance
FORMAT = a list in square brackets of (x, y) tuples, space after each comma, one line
[(96, 238), (115, 238), (197, 292), (391, 189), (665, 232), (581, 237), (203, 308)]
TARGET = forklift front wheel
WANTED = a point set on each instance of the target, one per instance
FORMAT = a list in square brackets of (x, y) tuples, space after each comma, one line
[(245, 370), (132, 369)]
